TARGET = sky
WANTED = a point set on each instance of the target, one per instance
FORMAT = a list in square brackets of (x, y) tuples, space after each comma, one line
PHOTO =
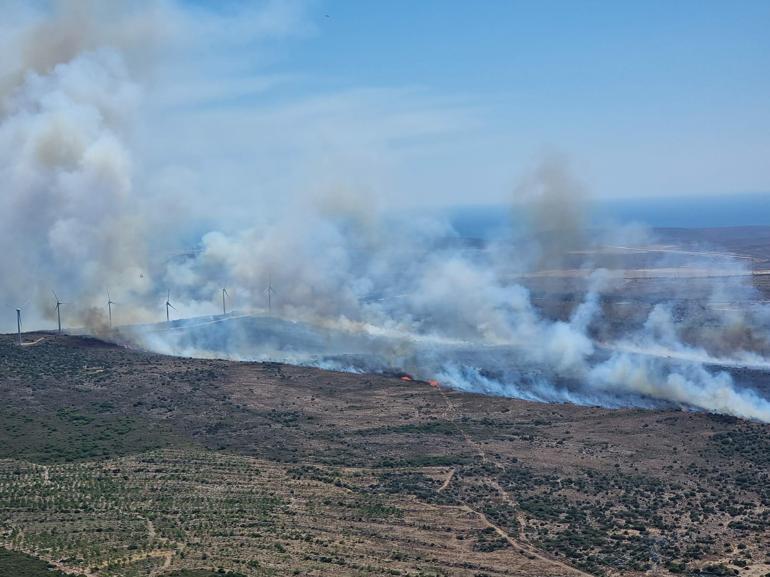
[(449, 102), (133, 131), (245, 107)]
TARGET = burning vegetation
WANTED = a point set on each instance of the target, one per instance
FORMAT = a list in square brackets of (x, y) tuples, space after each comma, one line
[(155, 465)]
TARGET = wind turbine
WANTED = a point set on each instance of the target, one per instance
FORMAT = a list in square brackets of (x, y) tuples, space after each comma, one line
[(58, 308), (269, 292), (18, 320), (110, 302), (168, 305), (224, 294), (18, 323)]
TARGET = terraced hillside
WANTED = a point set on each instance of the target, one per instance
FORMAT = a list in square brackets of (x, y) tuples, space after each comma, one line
[(123, 463)]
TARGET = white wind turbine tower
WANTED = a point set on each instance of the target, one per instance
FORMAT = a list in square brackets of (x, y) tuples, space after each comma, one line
[(58, 308), (224, 294), (270, 291), (110, 302), (168, 306), (18, 320)]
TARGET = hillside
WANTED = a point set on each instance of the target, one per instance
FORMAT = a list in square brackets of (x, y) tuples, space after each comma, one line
[(116, 462)]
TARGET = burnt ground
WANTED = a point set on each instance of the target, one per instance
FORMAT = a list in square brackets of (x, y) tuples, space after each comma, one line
[(119, 462)]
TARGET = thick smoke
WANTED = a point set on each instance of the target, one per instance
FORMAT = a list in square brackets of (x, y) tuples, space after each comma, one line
[(333, 279), (70, 217)]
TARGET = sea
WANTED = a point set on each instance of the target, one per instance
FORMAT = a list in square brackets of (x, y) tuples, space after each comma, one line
[(734, 210)]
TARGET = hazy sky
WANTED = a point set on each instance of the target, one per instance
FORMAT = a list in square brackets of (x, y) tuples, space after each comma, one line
[(434, 102), (130, 129), (449, 101)]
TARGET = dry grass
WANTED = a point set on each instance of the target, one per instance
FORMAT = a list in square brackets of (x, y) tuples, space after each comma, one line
[(266, 469)]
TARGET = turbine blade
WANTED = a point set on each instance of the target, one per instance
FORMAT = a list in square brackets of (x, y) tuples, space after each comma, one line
[(172, 306)]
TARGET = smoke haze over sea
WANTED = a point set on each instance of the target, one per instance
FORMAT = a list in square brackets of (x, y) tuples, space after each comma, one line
[(110, 182)]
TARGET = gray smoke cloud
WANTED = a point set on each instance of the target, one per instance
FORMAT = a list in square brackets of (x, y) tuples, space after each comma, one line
[(356, 286), (71, 219)]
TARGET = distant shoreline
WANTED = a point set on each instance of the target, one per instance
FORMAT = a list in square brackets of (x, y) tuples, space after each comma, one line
[(738, 210)]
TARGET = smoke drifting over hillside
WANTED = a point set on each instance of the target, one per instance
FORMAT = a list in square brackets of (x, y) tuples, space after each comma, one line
[(83, 209), (71, 217)]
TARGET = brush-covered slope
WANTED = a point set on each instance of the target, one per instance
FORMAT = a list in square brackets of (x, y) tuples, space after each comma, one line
[(122, 463)]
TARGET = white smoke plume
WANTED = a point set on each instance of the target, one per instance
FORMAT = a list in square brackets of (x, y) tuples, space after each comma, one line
[(88, 205), (70, 217)]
